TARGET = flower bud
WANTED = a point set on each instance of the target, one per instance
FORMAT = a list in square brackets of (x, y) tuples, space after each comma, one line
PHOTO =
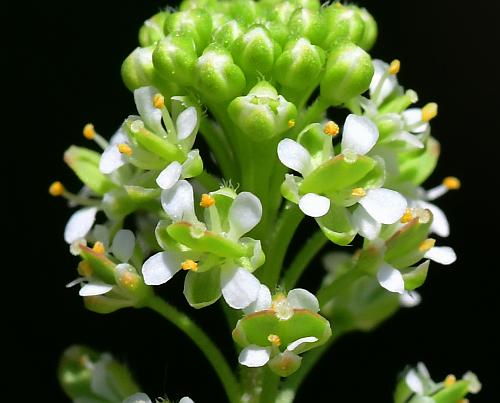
[(285, 364), (278, 31), (132, 284), (308, 23), (195, 23), (244, 11), (192, 4), (152, 29), (174, 58), (282, 11), (371, 30), (344, 25), (255, 51), (85, 164), (300, 65), (262, 114), (226, 34), (348, 73), (217, 77)]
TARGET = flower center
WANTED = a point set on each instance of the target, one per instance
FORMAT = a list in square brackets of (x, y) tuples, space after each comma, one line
[(125, 149), (158, 101), (189, 264), (99, 248), (331, 128), (358, 192), (274, 339), (206, 200)]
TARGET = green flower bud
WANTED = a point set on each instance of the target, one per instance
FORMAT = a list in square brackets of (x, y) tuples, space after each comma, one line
[(131, 284), (152, 29), (85, 164), (244, 11), (218, 78), (226, 34), (278, 31), (308, 23), (192, 4), (174, 58), (285, 364), (255, 51), (300, 65), (371, 30), (262, 114), (344, 25), (348, 73), (282, 11), (195, 23)]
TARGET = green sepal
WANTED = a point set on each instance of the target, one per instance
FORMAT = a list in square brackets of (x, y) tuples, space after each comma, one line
[(205, 241), (164, 240), (403, 247), (370, 258), (226, 34), (195, 23), (417, 166), (278, 31), (336, 225), (104, 304), (202, 289), (255, 329), (316, 142), (375, 178), (345, 25), (130, 282), (414, 277), (285, 363), (244, 11), (193, 166), (139, 194), (309, 24), (152, 29), (337, 174), (452, 393), (117, 204), (398, 104), (85, 164), (370, 31), (102, 267)]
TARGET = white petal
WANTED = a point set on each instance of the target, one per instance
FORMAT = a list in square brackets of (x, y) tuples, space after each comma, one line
[(254, 356), (364, 223), (412, 116), (239, 287), (138, 398), (298, 298), (79, 224), (119, 137), (441, 254), (161, 267), (414, 383), (169, 176), (150, 115), (297, 343), (359, 135), (94, 288), (101, 234), (294, 156), (111, 160), (76, 281), (391, 279), (244, 214), (123, 245), (263, 301), (390, 81), (409, 299), (440, 225), (409, 138), (186, 399), (178, 202), (186, 122), (314, 205), (384, 205)]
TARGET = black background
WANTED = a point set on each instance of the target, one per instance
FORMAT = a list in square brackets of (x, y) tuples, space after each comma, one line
[(65, 59)]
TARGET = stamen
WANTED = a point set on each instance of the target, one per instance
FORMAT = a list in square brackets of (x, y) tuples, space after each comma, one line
[(394, 67), (452, 183), (282, 307), (99, 248), (331, 128), (206, 200), (429, 111), (189, 264), (291, 123), (56, 189), (407, 216), (128, 280), (125, 149), (426, 245), (158, 101), (274, 339), (450, 380), (358, 192), (84, 269), (89, 131)]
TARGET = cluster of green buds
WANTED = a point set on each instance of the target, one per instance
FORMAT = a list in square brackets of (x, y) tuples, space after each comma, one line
[(242, 73)]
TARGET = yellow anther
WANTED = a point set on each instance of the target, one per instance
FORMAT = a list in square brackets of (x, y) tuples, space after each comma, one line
[(206, 200), (84, 268), (291, 123), (189, 264), (358, 192), (429, 111), (394, 67), (99, 248), (89, 131), (331, 128), (450, 380), (426, 245), (128, 280), (56, 189), (407, 216), (125, 149), (158, 101), (274, 339), (452, 183)]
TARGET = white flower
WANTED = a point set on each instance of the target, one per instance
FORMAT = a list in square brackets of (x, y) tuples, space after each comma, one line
[(383, 82), (80, 224), (112, 158)]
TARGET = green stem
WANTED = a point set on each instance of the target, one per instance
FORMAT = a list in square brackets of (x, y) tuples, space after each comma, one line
[(208, 181), (303, 258), (204, 343), (277, 244), (339, 284), (270, 385), (219, 145), (314, 113)]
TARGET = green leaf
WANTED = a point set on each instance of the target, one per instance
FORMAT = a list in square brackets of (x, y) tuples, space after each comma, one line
[(336, 226), (336, 174), (202, 289), (416, 166), (206, 241), (414, 277)]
